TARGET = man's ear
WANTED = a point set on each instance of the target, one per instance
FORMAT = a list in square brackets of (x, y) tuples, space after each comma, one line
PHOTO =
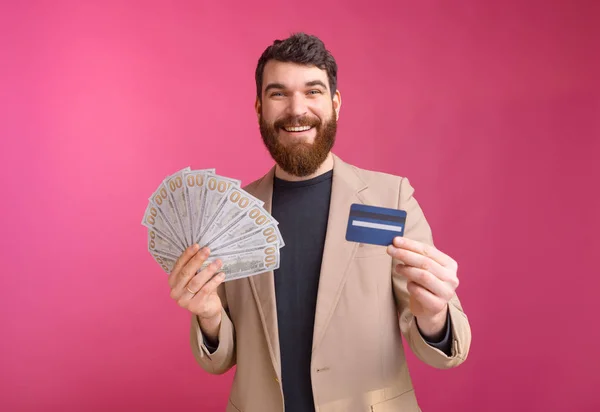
[(337, 104), (257, 107)]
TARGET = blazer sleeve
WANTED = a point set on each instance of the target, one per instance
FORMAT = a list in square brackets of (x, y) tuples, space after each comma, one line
[(418, 228), (223, 358)]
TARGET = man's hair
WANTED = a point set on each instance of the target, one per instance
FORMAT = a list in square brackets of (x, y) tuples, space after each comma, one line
[(299, 48)]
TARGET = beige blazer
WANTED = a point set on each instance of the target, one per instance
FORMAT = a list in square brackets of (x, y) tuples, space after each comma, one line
[(358, 361)]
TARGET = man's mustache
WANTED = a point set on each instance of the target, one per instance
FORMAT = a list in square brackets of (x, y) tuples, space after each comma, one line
[(297, 122)]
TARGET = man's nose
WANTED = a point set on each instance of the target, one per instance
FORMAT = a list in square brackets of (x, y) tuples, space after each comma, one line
[(297, 106)]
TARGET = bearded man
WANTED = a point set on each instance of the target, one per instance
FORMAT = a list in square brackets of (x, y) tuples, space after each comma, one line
[(324, 331)]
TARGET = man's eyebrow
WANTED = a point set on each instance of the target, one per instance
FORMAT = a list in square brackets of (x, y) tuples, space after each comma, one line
[(281, 86), (316, 83), (274, 86)]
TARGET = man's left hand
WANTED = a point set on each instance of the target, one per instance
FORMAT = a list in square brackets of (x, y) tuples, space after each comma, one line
[(432, 281)]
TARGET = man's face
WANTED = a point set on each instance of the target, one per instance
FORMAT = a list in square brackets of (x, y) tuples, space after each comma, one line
[(297, 116)]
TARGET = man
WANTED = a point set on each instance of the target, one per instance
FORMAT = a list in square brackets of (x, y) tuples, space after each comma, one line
[(322, 333)]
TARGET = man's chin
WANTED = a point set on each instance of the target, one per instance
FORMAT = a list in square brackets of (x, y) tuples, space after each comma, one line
[(296, 146), (302, 151)]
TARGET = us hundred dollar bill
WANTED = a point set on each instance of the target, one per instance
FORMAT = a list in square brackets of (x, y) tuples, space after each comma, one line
[(216, 187), (166, 207), (166, 262), (195, 194), (239, 264), (155, 220), (253, 218), (269, 235), (158, 243), (233, 204), (177, 193)]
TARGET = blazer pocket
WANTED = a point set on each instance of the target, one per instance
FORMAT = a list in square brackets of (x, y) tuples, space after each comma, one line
[(407, 402), (365, 250)]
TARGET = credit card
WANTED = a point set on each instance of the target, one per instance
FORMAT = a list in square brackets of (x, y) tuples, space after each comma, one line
[(374, 225)]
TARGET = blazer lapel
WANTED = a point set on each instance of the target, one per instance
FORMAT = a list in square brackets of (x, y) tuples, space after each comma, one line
[(263, 285), (338, 252), (337, 255)]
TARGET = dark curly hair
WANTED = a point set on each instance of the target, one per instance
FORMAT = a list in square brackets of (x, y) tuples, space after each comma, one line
[(299, 48)]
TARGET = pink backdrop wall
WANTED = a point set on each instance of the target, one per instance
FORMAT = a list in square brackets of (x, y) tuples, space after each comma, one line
[(490, 108)]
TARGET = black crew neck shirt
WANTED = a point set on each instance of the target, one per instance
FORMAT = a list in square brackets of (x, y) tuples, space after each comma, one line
[(302, 210)]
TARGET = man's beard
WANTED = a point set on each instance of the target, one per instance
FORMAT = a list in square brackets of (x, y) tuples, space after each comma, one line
[(299, 158)]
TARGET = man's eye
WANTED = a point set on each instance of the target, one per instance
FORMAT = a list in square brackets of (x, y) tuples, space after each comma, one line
[(314, 92), (276, 94)]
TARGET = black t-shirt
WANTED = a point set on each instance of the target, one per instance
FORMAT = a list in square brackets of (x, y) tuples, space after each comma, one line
[(302, 210)]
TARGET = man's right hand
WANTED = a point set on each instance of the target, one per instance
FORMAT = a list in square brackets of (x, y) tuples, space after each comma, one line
[(197, 291)]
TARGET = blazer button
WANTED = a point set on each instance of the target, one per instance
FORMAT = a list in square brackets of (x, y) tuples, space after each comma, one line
[(276, 380)]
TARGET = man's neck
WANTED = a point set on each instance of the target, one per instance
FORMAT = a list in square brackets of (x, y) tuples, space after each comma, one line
[(325, 167)]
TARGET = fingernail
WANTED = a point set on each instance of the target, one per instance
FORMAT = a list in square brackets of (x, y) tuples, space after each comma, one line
[(398, 240), (391, 249), (222, 275), (195, 247)]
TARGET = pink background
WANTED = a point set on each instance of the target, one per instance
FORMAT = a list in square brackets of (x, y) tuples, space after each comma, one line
[(490, 108)]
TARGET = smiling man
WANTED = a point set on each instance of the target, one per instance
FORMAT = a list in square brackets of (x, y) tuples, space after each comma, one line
[(324, 331), (298, 116)]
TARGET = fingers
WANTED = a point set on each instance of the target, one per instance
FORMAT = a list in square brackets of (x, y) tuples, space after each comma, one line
[(198, 282), (209, 288), (425, 250), (417, 260), (428, 301), (194, 296), (425, 279), (187, 272), (192, 267), (181, 262)]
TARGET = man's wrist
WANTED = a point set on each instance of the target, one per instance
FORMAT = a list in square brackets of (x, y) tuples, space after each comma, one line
[(210, 328), (433, 328)]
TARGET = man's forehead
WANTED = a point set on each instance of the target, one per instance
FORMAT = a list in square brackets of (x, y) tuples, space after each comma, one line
[(292, 74)]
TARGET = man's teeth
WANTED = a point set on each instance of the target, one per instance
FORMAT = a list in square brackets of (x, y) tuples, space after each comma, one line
[(297, 129)]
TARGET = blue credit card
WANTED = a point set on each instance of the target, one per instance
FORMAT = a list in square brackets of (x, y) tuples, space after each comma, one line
[(374, 225)]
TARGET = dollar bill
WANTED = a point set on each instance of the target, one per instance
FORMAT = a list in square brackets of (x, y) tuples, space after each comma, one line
[(256, 199), (165, 262), (154, 220), (195, 194), (231, 206), (166, 206), (199, 206), (253, 218), (269, 235), (249, 262), (216, 188), (177, 194), (158, 243)]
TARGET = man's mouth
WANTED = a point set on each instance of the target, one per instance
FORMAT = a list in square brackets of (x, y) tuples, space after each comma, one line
[(296, 129)]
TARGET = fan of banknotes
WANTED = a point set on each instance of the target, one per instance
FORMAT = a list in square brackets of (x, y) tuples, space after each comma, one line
[(199, 206)]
